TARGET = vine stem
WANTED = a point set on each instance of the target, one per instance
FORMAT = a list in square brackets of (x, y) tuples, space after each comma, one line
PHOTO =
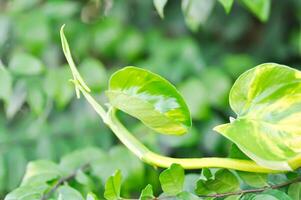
[(241, 192), (63, 180), (142, 151)]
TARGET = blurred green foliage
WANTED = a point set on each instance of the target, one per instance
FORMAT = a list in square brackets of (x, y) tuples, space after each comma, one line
[(41, 118)]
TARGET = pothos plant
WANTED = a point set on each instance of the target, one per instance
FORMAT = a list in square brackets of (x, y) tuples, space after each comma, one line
[(266, 100), (266, 134)]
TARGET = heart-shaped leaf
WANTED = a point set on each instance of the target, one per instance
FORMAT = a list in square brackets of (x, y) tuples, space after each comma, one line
[(151, 99), (267, 101)]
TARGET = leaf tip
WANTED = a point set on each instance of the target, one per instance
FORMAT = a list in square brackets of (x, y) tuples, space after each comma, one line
[(221, 128)]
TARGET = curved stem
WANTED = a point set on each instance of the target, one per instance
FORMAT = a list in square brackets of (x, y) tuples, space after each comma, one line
[(142, 151), (155, 159)]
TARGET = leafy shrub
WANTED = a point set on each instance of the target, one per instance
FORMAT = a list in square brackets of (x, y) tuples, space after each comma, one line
[(43, 120)]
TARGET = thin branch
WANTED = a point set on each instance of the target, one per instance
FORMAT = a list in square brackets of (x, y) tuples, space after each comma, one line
[(63, 180), (241, 192)]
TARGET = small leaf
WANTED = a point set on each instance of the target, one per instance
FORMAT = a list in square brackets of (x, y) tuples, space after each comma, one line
[(217, 81), (6, 82), (36, 100), (131, 46), (119, 157), (91, 196), (196, 12), (198, 104), (261, 8), (40, 172), (113, 186), (25, 64), (69, 193), (79, 158), (57, 86), (227, 4), (294, 191), (150, 98), (32, 192), (159, 5), (95, 73), (172, 179), (254, 179), (147, 193), (258, 197), (16, 100), (233, 197), (278, 194), (187, 196), (266, 100), (222, 181), (190, 182)]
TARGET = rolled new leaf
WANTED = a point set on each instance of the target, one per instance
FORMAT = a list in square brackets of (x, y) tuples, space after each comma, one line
[(267, 101), (149, 98)]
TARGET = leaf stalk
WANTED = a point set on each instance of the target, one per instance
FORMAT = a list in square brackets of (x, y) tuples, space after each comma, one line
[(139, 149)]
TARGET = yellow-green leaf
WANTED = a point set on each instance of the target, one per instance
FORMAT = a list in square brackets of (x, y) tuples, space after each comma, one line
[(151, 99), (113, 186), (267, 101)]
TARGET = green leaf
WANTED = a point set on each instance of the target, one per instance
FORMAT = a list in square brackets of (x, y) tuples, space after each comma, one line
[(69, 193), (159, 5), (6, 82), (172, 179), (266, 100), (222, 181), (91, 196), (294, 191), (258, 197), (187, 196), (79, 158), (112, 187), (233, 197), (254, 179), (57, 86), (16, 100), (196, 12), (278, 194), (147, 193), (197, 104), (190, 182), (207, 174), (95, 73), (28, 192), (119, 157), (131, 46), (40, 172), (151, 99), (227, 4), (261, 8), (235, 152), (217, 81), (36, 100), (25, 64)]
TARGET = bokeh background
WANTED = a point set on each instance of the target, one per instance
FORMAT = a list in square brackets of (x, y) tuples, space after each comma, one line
[(40, 117)]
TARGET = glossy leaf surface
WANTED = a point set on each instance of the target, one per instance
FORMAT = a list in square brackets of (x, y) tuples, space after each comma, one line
[(151, 99), (267, 101), (172, 179)]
